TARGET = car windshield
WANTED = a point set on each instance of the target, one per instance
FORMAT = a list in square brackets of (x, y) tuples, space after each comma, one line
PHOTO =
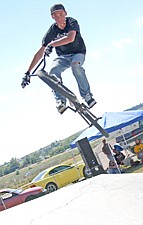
[(17, 191), (9, 193), (39, 176), (59, 169)]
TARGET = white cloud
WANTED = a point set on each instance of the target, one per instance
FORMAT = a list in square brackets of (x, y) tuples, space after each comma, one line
[(122, 43), (139, 22), (96, 54)]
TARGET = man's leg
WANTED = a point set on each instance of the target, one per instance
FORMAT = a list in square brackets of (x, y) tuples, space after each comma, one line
[(79, 73), (60, 64)]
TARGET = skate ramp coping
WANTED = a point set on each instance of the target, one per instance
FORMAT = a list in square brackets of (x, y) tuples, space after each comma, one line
[(107, 199)]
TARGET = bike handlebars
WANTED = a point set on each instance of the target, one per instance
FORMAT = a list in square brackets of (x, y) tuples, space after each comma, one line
[(25, 80), (42, 60)]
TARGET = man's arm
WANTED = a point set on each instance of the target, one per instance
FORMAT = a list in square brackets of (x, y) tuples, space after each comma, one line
[(110, 146), (36, 58), (64, 40)]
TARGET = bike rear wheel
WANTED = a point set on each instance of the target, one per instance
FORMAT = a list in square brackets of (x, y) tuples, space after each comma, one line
[(56, 86)]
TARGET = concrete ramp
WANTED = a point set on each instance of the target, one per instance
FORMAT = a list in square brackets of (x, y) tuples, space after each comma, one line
[(102, 200)]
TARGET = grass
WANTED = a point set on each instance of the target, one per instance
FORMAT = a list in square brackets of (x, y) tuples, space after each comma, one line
[(135, 169), (26, 175)]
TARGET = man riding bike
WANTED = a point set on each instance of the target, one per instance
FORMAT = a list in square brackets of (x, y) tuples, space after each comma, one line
[(64, 35)]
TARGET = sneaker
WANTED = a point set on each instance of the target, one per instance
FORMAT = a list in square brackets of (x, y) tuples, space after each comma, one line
[(61, 106), (90, 101)]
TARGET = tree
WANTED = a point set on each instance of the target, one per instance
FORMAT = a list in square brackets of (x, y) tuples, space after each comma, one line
[(27, 160), (13, 165)]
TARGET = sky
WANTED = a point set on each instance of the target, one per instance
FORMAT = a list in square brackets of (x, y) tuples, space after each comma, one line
[(113, 33)]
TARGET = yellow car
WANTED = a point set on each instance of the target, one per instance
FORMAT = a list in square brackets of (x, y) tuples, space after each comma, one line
[(58, 176)]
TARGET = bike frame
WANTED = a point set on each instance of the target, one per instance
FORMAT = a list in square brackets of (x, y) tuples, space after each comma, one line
[(81, 108)]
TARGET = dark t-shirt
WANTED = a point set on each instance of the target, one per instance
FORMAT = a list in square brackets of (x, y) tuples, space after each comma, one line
[(119, 157), (54, 33), (106, 149)]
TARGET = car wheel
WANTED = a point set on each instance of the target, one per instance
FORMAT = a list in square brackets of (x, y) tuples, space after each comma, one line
[(51, 187), (30, 198), (86, 172)]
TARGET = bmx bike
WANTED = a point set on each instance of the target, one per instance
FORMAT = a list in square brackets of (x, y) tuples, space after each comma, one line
[(55, 84)]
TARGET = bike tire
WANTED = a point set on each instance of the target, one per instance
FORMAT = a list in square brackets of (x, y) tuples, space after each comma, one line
[(95, 123), (56, 86)]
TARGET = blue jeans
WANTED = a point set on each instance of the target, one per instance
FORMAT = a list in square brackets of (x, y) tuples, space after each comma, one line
[(113, 171), (75, 61)]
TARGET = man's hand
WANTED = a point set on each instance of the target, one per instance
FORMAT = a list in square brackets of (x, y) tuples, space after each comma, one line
[(48, 50), (26, 79)]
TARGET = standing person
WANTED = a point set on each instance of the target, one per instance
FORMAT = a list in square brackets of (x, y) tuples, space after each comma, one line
[(138, 149), (107, 150), (64, 35)]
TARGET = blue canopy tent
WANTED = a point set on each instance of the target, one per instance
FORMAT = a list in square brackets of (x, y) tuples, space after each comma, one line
[(111, 121)]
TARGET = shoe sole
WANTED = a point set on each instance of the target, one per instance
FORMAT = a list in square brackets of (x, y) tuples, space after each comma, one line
[(92, 104), (62, 110)]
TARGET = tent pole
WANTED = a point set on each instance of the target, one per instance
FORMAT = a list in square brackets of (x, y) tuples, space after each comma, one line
[(75, 161), (125, 141)]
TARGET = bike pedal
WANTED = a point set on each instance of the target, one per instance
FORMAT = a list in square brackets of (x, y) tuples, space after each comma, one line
[(99, 118), (63, 111)]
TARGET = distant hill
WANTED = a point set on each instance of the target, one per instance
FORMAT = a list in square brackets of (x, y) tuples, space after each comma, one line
[(137, 107)]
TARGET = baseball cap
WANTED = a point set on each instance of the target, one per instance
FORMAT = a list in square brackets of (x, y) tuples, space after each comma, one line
[(57, 7)]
